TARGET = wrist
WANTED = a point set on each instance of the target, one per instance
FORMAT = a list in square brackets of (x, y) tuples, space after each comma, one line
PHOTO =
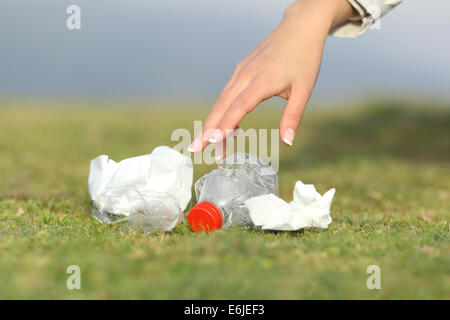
[(324, 14)]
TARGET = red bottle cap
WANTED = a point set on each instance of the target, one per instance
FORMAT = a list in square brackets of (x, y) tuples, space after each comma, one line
[(205, 216)]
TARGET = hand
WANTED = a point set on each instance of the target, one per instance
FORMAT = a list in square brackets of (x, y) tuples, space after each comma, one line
[(285, 64)]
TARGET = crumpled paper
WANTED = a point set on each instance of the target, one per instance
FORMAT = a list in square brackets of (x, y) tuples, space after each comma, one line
[(308, 209), (153, 189)]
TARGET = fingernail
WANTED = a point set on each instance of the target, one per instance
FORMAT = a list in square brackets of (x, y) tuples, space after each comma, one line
[(289, 136), (215, 137), (195, 145)]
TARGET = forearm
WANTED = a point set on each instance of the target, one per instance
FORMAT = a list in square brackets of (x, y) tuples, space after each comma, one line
[(285, 64)]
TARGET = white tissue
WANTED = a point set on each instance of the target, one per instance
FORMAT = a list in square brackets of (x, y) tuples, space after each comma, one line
[(129, 186), (308, 209)]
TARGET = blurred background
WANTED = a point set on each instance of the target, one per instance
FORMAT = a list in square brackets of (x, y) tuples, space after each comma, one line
[(377, 130), (176, 49)]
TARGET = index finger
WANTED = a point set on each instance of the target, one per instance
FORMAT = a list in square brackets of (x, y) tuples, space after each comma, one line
[(216, 114)]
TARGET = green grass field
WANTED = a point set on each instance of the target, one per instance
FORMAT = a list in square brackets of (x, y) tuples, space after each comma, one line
[(389, 161)]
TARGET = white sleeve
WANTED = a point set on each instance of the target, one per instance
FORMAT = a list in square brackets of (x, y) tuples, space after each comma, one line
[(368, 12)]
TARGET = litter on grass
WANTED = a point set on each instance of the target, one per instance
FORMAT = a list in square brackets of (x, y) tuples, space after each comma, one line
[(308, 209), (222, 192), (150, 192)]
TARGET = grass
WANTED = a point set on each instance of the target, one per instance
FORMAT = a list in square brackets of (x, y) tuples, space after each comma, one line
[(389, 161)]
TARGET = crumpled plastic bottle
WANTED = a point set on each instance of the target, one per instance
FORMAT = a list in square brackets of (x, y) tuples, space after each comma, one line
[(148, 211), (222, 192), (150, 191)]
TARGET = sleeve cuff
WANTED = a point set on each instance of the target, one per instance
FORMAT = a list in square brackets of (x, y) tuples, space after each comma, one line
[(368, 12)]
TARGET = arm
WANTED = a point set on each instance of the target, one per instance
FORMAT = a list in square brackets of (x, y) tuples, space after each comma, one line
[(285, 64)]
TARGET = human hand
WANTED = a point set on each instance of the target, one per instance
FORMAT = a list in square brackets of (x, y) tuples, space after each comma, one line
[(285, 64)]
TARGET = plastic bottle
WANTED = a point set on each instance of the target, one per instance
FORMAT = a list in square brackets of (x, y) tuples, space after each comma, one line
[(143, 210), (150, 191), (221, 193)]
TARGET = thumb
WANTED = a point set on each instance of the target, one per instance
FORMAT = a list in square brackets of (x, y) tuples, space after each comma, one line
[(292, 115)]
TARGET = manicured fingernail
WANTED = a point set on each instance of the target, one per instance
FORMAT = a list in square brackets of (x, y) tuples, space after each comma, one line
[(195, 145), (215, 137), (289, 136)]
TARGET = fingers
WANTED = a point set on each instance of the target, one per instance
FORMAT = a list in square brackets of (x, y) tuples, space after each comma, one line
[(231, 106), (215, 116), (292, 114), (220, 148), (238, 82), (245, 102), (228, 112)]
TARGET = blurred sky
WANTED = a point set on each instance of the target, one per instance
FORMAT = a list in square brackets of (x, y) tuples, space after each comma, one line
[(188, 49)]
